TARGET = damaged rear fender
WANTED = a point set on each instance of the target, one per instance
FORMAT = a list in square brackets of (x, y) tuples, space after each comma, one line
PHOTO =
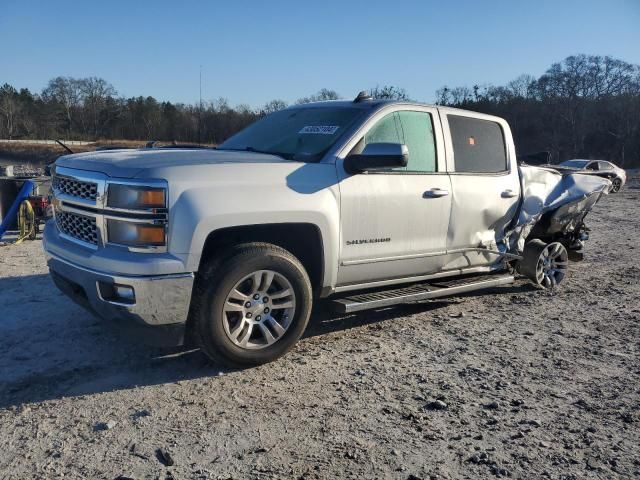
[(553, 204)]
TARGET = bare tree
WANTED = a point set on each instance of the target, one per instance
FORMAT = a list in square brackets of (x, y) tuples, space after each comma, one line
[(443, 96), (389, 92), (67, 92), (273, 106), (522, 87), (95, 93), (9, 108), (322, 96)]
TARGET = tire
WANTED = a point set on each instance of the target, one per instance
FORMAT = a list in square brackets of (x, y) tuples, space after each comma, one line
[(231, 332), (545, 264), (616, 184)]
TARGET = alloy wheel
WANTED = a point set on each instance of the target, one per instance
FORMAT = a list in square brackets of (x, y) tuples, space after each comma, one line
[(552, 265), (615, 187), (259, 309)]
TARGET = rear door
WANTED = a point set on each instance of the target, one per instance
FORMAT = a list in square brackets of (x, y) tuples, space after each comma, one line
[(485, 186), (393, 223), (606, 170)]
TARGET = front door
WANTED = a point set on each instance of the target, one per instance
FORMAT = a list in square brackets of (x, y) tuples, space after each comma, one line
[(393, 223)]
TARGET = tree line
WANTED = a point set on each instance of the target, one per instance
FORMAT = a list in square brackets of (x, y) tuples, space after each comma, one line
[(90, 109), (584, 106)]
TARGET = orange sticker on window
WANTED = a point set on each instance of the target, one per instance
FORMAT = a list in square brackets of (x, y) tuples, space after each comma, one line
[(472, 141)]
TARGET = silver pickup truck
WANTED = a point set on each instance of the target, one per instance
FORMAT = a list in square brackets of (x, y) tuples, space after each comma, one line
[(372, 203)]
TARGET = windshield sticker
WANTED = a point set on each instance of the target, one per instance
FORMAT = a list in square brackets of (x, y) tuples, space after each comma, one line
[(320, 129)]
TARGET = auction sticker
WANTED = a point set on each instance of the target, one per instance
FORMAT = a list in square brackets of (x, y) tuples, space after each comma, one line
[(320, 129)]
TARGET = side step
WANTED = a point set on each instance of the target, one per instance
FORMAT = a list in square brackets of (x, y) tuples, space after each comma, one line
[(416, 293)]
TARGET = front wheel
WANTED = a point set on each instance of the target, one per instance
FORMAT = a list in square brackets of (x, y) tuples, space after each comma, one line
[(252, 304), (616, 184)]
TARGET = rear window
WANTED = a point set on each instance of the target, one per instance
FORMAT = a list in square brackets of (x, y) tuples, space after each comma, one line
[(478, 145), (574, 163)]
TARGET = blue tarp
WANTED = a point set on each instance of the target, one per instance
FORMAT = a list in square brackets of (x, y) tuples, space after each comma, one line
[(24, 192)]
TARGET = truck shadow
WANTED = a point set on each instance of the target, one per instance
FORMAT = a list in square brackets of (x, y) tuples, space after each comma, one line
[(50, 348)]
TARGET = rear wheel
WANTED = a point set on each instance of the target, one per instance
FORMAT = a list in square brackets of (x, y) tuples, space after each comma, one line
[(544, 264), (252, 304), (616, 184)]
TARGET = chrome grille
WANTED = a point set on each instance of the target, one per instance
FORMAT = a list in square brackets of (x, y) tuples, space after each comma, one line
[(75, 188), (77, 226)]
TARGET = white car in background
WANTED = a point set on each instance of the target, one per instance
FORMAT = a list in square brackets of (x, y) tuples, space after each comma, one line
[(601, 168)]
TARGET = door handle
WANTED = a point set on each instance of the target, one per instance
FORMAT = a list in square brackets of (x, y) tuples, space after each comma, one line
[(435, 193), (509, 194)]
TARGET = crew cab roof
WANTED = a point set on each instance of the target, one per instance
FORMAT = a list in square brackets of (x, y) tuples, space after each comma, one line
[(364, 105), (376, 104)]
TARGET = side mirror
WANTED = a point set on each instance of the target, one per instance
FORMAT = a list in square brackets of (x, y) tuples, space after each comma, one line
[(376, 156)]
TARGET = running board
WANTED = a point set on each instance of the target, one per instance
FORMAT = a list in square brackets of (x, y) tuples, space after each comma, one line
[(416, 293)]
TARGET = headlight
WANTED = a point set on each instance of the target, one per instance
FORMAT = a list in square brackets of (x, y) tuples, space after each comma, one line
[(134, 234), (133, 197)]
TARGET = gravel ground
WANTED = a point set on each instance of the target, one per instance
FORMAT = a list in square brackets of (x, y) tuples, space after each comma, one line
[(517, 382)]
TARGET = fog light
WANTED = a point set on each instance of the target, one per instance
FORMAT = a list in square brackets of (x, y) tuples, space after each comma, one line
[(124, 292), (114, 292)]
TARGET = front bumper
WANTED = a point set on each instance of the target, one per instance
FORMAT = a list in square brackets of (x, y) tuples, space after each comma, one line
[(158, 307)]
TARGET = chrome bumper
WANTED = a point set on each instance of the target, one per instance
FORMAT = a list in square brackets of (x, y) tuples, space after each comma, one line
[(160, 301)]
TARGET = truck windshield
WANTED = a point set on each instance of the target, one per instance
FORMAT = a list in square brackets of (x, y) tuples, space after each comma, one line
[(302, 134)]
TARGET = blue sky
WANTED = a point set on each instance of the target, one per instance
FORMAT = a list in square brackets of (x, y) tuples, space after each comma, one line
[(255, 51)]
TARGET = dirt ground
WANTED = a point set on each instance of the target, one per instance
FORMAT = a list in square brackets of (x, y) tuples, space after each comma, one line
[(531, 384)]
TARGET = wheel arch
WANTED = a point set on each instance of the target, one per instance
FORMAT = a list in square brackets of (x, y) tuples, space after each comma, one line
[(303, 240)]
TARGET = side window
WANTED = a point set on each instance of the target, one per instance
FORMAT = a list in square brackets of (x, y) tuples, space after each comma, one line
[(478, 145), (385, 131), (414, 129), (592, 166), (417, 132), (604, 166)]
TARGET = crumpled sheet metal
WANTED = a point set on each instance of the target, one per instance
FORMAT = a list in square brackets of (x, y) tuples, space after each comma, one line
[(546, 190)]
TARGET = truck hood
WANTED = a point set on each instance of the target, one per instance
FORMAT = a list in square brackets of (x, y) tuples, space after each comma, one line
[(141, 163)]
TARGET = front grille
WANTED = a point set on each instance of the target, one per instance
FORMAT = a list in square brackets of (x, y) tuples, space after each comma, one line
[(75, 188), (77, 226)]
